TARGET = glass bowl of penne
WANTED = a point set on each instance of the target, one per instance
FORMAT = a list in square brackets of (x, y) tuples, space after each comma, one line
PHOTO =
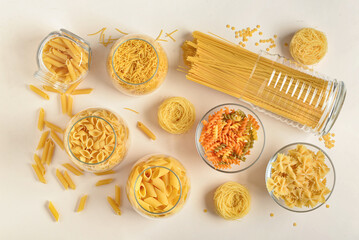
[(158, 186), (96, 139), (300, 177), (63, 59), (230, 138), (137, 65)]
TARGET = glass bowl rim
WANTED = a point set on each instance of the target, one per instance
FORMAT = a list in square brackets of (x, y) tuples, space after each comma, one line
[(198, 145), (135, 38), (269, 168)]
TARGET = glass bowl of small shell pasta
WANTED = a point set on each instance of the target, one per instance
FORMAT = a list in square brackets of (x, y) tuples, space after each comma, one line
[(96, 139), (158, 186)]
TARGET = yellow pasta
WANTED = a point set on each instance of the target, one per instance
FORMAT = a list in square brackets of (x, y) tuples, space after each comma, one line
[(50, 152), (39, 174), (82, 91), (105, 173), (69, 105), (147, 131), (131, 110), (54, 127), (72, 87), (114, 205), (45, 151), (73, 169), (50, 89), (57, 140), (39, 164), (118, 30), (42, 140), (53, 211), (39, 92), (118, 195), (41, 123), (104, 182), (61, 178), (82, 203), (69, 180), (63, 103)]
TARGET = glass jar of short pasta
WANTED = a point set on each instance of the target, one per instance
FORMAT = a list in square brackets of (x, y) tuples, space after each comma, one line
[(63, 59), (158, 186), (96, 139), (137, 64)]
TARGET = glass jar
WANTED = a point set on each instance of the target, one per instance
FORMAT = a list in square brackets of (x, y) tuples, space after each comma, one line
[(158, 186), (96, 139), (294, 94), (63, 59), (153, 74)]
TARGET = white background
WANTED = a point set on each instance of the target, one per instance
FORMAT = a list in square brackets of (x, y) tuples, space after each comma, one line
[(23, 213)]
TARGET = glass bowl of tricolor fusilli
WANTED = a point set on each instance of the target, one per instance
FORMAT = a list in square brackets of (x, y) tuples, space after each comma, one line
[(230, 138)]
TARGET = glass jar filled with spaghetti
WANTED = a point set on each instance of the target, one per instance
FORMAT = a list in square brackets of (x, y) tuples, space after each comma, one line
[(137, 64), (96, 139), (158, 186), (63, 59)]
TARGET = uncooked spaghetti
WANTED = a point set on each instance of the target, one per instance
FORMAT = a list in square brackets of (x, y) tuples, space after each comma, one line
[(308, 46), (232, 201), (176, 115)]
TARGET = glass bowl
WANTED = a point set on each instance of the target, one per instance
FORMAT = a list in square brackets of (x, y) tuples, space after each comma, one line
[(330, 176), (96, 139), (255, 152), (158, 186)]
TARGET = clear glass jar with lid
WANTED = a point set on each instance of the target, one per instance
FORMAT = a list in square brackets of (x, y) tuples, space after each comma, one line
[(137, 64), (96, 139), (63, 59)]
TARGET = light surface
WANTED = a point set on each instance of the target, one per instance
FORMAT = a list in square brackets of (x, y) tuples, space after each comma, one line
[(23, 200)]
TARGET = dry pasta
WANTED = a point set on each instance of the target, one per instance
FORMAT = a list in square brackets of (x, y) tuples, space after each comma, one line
[(69, 180), (146, 130), (176, 115), (41, 123), (72, 169), (72, 87), (299, 177), (39, 164), (82, 203), (69, 105), (54, 127), (39, 92), (118, 195), (232, 201), (82, 91), (114, 205), (38, 172), (50, 152), (63, 103), (50, 89), (62, 179), (53, 211), (57, 139), (45, 151), (129, 109), (308, 46), (104, 182), (105, 173), (42, 140)]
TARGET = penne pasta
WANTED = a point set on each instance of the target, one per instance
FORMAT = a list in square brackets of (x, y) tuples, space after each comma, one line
[(61, 178), (42, 140), (69, 105), (53, 62), (41, 123), (38, 173), (57, 140), (104, 182), (147, 131), (69, 180), (118, 195), (63, 103), (50, 89), (72, 87), (82, 203), (54, 127), (114, 205), (105, 173), (82, 91), (39, 92), (50, 152), (72, 169), (39, 164), (45, 151), (53, 211)]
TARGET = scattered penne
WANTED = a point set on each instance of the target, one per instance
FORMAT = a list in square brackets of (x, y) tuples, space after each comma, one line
[(39, 92), (39, 164), (147, 131), (53, 211), (72, 169), (118, 195), (41, 123), (62, 179), (82, 91), (38, 173), (69, 105), (50, 153), (114, 205), (63, 103), (105, 173), (57, 140), (50, 89), (104, 182), (131, 110), (72, 87), (42, 140), (82, 203), (69, 180), (45, 151), (54, 127)]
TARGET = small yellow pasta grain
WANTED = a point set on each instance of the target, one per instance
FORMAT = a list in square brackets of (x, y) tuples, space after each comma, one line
[(61, 178), (147, 131), (38, 173), (118, 195), (256, 44), (228, 26), (69, 180), (41, 123), (50, 152), (57, 140), (42, 140), (294, 224), (50, 89), (105, 173), (63, 103), (104, 182), (233, 28), (271, 214), (260, 33), (39, 92), (258, 26), (74, 170), (205, 210), (54, 127), (286, 44), (267, 49), (327, 206), (275, 36), (82, 91), (53, 211), (131, 110), (82, 203), (114, 205), (45, 151), (39, 164), (69, 105)]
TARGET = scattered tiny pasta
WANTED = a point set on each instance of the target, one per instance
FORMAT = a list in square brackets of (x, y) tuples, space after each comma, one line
[(39, 92), (53, 211), (146, 130), (104, 182), (82, 203)]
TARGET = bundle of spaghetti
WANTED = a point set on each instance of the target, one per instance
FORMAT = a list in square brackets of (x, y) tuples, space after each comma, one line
[(227, 137), (232, 201), (176, 115), (236, 71), (308, 46)]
